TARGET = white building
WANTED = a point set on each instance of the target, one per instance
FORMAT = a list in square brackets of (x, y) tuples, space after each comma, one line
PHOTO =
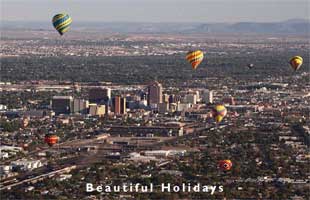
[(3, 107), (5, 169), (165, 153), (158, 153), (27, 164), (177, 152), (190, 98), (4, 155), (136, 157), (7, 151), (80, 106), (183, 106), (63, 177), (97, 110)]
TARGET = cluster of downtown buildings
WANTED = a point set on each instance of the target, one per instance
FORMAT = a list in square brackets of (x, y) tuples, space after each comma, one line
[(100, 102)]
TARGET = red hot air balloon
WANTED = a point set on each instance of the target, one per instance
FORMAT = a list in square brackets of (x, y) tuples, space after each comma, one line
[(225, 165), (51, 140)]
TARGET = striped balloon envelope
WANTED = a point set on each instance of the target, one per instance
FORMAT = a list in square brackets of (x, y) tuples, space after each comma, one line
[(219, 112), (61, 23), (296, 62), (194, 58)]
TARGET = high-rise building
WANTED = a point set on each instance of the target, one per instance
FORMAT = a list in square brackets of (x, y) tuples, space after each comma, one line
[(163, 107), (80, 106), (142, 95), (197, 95), (207, 96), (166, 98), (119, 105), (96, 110), (155, 93), (99, 95), (171, 98), (174, 98), (190, 98), (183, 106), (173, 107), (62, 104)]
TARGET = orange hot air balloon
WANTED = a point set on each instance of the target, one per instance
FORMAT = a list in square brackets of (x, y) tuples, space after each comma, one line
[(194, 58), (296, 62), (225, 165), (219, 112), (51, 139)]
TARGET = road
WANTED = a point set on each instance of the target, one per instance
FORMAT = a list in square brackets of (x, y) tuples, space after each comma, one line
[(40, 177)]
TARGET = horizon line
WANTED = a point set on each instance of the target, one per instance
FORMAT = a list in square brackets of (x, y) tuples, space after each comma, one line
[(156, 22)]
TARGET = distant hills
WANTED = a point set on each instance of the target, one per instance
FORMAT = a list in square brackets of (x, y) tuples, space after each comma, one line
[(286, 27), (292, 26)]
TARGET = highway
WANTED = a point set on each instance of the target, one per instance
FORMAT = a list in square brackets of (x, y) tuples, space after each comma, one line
[(40, 177)]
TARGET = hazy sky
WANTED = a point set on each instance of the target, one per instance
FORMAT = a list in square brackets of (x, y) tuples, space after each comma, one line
[(157, 10)]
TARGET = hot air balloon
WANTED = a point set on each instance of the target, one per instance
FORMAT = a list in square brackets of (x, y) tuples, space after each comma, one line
[(225, 165), (51, 139), (219, 112), (250, 66), (296, 62), (62, 22), (194, 58)]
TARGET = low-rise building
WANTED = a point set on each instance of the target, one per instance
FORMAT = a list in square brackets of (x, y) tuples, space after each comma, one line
[(27, 165)]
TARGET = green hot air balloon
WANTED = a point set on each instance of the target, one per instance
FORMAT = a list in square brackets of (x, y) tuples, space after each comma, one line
[(62, 22)]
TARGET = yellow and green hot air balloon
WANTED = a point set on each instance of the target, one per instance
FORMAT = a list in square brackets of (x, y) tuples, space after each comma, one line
[(194, 58), (296, 62), (62, 22), (219, 112)]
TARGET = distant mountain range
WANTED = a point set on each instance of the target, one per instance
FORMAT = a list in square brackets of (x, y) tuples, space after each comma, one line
[(286, 27), (293, 26)]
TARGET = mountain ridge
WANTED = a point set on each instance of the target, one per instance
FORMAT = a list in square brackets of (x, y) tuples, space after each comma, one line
[(291, 26)]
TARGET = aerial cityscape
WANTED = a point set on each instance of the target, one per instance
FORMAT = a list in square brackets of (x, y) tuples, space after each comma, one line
[(208, 114)]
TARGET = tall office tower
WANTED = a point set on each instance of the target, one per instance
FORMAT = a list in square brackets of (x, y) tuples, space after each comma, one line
[(80, 106), (96, 110), (163, 107), (142, 95), (119, 105), (171, 98), (166, 98), (189, 98), (177, 98), (207, 96), (99, 95), (197, 95), (62, 104), (155, 93)]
